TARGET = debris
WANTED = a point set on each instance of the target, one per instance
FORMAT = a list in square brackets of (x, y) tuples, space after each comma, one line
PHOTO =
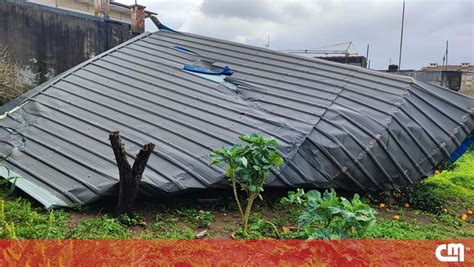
[(201, 234)]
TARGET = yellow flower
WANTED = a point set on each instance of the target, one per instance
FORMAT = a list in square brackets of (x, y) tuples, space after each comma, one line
[(396, 217), (286, 230)]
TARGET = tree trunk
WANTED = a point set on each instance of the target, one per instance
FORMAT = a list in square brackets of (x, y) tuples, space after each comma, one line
[(130, 177)]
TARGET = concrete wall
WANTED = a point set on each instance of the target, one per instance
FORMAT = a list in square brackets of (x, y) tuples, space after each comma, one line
[(467, 83), (448, 79), (48, 41)]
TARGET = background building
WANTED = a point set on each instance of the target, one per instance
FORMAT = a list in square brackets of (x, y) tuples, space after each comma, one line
[(465, 71), (104, 8)]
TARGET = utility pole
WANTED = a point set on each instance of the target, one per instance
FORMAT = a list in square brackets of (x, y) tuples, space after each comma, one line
[(401, 38), (446, 54), (367, 55)]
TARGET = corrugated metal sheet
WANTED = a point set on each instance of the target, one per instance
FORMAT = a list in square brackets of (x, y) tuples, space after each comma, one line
[(338, 125)]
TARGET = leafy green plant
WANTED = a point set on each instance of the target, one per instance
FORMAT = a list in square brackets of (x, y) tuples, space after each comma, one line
[(248, 167), (103, 227), (328, 216), (200, 218)]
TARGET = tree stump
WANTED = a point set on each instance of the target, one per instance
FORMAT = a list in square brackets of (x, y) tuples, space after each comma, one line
[(130, 177)]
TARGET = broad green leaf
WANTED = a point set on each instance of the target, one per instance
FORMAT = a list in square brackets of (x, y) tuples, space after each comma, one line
[(244, 161)]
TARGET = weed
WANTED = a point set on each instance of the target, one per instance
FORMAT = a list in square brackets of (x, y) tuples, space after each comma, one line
[(102, 227), (130, 220), (20, 220), (200, 218), (228, 228), (168, 228)]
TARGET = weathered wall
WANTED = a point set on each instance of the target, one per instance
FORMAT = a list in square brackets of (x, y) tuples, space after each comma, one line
[(48, 41), (467, 83), (449, 79)]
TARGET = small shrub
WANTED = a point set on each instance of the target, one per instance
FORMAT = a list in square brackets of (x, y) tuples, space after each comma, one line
[(331, 217), (248, 167)]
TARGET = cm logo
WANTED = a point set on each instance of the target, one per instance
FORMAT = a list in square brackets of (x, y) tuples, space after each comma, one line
[(455, 252)]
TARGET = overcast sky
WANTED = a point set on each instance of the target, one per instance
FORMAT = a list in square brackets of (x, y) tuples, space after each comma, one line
[(313, 24)]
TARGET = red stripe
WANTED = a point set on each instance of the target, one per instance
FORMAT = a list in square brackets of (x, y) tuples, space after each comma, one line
[(216, 252)]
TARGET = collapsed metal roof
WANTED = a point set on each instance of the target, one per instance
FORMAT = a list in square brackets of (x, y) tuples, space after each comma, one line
[(339, 126)]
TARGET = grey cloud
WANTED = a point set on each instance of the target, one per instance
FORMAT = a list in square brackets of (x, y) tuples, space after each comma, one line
[(239, 9)]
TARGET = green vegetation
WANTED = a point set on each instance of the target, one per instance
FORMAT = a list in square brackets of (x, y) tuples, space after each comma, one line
[(248, 167), (311, 214), (102, 227), (331, 217), (200, 218), (168, 228), (18, 219), (451, 190), (455, 188), (440, 227)]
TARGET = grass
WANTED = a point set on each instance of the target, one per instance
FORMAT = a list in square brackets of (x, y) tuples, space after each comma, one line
[(102, 227), (440, 227), (168, 228), (455, 187), (26, 221), (199, 218)]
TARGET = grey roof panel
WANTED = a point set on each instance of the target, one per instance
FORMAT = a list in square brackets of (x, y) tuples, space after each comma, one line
[(338, 125)]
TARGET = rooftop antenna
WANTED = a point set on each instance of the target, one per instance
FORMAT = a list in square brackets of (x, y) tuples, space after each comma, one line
[(401, 38), (267, 45)]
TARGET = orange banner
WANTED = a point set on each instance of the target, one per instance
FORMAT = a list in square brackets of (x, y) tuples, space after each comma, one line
[(224, 253)]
